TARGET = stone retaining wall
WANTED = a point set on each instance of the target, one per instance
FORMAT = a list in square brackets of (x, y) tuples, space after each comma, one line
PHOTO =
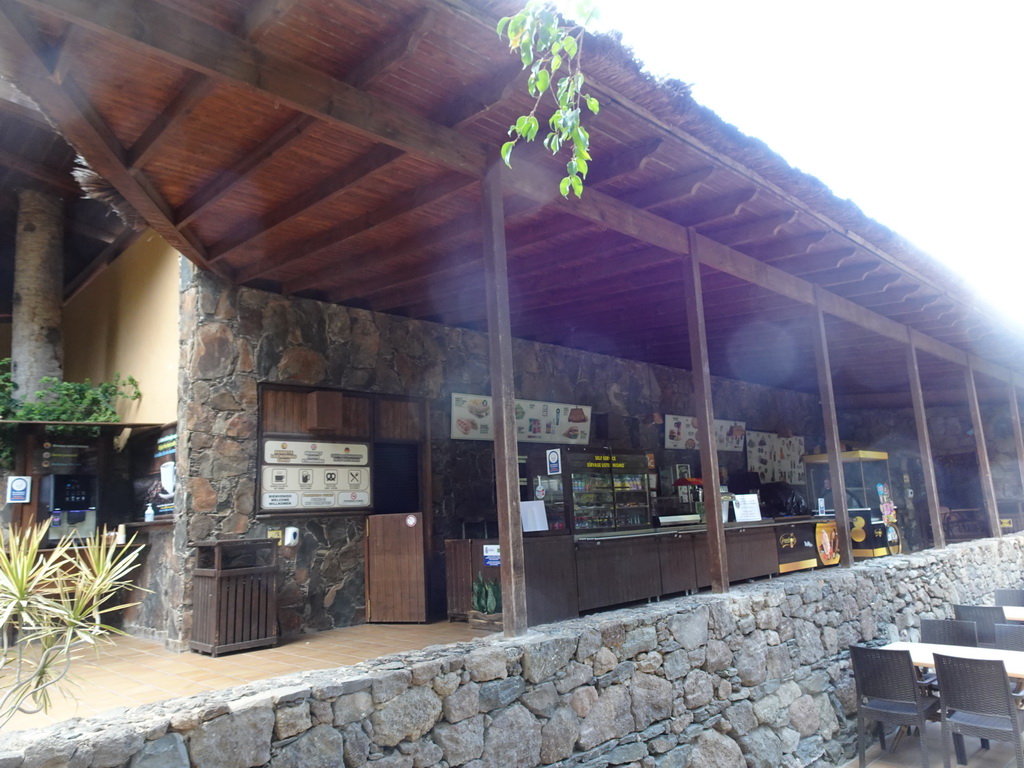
[(758, 677)]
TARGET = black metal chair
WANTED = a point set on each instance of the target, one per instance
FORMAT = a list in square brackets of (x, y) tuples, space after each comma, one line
[(976, 701), (949, 632), (986, 617), (888, 693), (1013, 597)]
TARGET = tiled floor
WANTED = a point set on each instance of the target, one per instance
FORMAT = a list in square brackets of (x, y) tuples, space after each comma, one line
[(134, 671), (907, 754)]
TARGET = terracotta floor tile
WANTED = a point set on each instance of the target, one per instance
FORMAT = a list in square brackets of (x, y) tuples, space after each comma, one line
[(131, 671)]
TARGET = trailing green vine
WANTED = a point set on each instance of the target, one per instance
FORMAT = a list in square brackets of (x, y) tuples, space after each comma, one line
[(58, 400), (548, 46)]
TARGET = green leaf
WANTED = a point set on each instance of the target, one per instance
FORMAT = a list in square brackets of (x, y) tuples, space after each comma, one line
[(543, 80), (521, 124), (564, 185), (577, 186), (593, 104), (532, 126), (569, 44), (506, 152), (502, 23)]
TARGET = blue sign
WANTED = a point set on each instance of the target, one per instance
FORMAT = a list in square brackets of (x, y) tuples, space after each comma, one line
[(492, 554), (554, 462), (19, 489)]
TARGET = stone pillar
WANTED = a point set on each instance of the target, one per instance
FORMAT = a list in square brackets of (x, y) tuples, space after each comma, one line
[(37, 347)]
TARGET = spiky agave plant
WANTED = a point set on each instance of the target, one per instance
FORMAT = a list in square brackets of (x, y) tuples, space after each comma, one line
[(53, 601)]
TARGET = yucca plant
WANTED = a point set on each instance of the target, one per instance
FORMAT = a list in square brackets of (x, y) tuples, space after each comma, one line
[(54, 600), (486, 595)]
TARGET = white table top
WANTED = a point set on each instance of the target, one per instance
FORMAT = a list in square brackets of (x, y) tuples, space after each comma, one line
[(921, 655), (1013, 612)]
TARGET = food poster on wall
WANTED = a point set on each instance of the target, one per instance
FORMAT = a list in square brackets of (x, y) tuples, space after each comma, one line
[(306, 475), (776, 459), (536, 421), (681, 433), (154, 486)]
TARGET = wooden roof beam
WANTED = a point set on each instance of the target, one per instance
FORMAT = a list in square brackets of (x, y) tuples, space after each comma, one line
[(716, 209), (86, 131), (262, 16), (176, 37), (58, 182), (193, 91), (791, 247), (671, 190), (753, 231), (390, 55), (400, 205), (100, 262)]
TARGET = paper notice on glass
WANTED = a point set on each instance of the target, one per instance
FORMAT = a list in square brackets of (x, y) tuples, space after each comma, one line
[(534, 516), (747, 508)]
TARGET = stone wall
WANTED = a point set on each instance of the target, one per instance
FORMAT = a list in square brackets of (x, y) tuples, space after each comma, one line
[(234, 338), (758, 677)]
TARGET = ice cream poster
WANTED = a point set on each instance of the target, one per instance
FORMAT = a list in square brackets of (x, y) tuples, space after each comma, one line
[(536, 421), (776, 459), (681, 434)]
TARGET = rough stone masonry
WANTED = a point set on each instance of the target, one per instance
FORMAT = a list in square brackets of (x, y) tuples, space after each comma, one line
[(758, 677)]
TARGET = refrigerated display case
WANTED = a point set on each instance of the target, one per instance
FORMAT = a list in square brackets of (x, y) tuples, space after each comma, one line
[(593, 490)]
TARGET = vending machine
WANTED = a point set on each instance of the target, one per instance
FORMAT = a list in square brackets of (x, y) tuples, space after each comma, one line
[(68, 502)]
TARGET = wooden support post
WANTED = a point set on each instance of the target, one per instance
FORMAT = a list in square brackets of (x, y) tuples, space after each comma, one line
[(835, 460), (718, 563), (988, 489), (506, 461), (1018, 430), (924, 443)]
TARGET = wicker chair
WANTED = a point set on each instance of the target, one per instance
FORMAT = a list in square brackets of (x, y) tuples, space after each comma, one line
[(976, 701), (1009, 597), (949, 632), (986, 617), (1010, 637), (888, 693)]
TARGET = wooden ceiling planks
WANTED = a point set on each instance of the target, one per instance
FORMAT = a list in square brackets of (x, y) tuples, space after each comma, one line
[(259, 175)]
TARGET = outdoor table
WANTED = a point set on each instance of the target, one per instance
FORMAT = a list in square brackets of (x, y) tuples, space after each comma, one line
[(921, 655), (1013, 612)]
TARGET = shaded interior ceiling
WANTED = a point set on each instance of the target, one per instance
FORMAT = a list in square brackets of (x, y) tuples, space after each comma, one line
[(333, 149)]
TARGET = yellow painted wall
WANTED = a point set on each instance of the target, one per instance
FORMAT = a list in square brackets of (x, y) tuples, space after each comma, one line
[(126, 321)]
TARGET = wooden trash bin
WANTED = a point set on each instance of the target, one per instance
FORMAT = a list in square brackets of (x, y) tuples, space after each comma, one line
[(234, 600)]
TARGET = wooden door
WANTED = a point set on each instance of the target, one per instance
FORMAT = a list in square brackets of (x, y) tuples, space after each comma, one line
[(396, 577)]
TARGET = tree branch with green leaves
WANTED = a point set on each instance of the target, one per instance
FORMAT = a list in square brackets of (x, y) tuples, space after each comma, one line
[(550, 50)]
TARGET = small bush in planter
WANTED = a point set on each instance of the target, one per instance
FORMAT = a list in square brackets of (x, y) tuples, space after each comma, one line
[(486, 612)]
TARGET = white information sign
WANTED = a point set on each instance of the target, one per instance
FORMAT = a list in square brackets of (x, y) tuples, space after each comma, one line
[(746, 507), (334, 454), (280, 500), (681, 433), (536, 421)]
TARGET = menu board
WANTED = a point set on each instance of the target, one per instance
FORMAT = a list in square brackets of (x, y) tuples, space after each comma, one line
[(536, 421), (776, 459), (295, 452), (681, 433), (303, 475)]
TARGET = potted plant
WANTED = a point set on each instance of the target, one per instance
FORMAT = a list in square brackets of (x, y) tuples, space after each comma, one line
[(486, 611)]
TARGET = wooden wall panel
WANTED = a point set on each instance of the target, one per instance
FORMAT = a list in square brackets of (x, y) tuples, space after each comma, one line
[(400, 420), (357, 417), (284, 410)]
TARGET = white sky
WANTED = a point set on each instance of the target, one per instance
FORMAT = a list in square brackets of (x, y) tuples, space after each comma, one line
[(911, 109)]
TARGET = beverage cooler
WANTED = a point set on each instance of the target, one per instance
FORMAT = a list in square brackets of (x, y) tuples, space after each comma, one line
[(590, 490)]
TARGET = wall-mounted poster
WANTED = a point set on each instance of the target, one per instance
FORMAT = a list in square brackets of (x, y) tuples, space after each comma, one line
[(776, 459), (681, 433), (154, 486), (536, 421)]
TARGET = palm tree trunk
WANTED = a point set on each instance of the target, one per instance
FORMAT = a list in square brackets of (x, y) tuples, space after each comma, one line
[(37, 347)]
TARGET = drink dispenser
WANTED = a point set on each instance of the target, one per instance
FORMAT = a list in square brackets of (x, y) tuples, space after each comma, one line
[(69, 503)]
